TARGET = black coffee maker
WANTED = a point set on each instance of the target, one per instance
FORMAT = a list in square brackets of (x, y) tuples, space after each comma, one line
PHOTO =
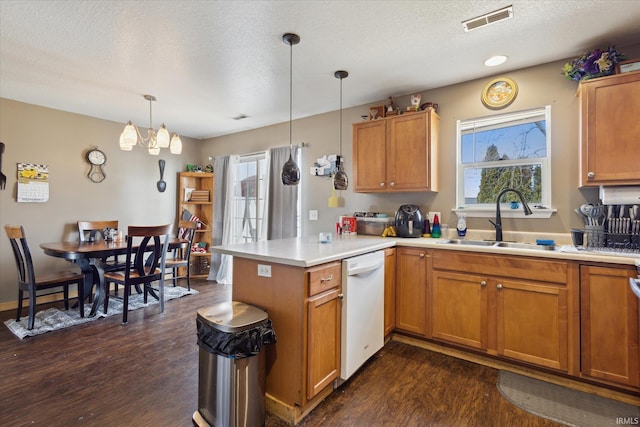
[(409, 221)]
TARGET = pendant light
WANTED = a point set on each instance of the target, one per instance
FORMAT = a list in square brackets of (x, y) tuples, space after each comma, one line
[(290, 170), (340, 179)]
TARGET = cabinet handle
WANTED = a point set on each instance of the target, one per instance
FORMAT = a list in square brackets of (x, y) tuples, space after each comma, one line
[(499, 286), (382, 184), (341, 296), (392, 184), (591, 175), (421, 255), (328, 279), (483, 283)]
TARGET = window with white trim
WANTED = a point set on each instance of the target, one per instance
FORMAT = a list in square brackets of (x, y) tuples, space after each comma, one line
[(510, 150)]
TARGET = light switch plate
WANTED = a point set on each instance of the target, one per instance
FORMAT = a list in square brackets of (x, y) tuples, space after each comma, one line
[(313, 215), (264, 270)]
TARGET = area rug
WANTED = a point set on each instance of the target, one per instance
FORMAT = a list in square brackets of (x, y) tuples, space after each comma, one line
[(53, 319), (565, 405)]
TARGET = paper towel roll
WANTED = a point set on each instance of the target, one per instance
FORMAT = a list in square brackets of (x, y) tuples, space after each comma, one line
[(629, 195)]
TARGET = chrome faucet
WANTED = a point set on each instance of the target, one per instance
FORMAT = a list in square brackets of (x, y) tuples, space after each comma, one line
[(498, 223)]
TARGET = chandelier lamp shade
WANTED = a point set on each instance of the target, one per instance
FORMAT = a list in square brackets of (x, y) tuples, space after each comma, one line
[(290, 170), (154, 141)]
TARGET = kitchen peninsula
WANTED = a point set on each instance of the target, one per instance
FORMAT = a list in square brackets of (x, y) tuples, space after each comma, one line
[(299, 283)]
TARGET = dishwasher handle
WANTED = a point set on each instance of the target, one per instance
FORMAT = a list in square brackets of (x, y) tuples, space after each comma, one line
[(364, 268)]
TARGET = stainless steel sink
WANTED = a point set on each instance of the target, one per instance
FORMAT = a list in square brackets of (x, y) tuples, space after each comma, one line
[(489, 243), (515, 245), (467, 242)]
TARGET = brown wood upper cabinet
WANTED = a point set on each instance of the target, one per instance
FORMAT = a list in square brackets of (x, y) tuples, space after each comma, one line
[(396, 153), (610, 128)]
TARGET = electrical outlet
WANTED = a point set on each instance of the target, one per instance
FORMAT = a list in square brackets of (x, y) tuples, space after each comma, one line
[(432, 215), (313, 215), (264, 270)]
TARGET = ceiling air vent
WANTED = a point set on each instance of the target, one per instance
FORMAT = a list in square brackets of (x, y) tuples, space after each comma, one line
[(488, 19)]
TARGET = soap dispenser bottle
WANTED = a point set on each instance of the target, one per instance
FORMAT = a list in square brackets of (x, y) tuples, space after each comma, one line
[(461, 227)]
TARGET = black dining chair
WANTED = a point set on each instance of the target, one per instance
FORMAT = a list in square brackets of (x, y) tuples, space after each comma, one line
[(146, 256), (29, 281), (180, 260)]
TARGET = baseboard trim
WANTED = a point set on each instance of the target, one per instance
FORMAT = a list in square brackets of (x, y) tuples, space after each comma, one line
[(13, 305)]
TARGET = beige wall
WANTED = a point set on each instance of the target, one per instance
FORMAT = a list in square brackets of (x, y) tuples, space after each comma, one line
[(538, 86), (35, 134)]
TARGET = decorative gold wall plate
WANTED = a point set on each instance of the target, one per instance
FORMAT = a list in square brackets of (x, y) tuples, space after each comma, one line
[(499, 93)]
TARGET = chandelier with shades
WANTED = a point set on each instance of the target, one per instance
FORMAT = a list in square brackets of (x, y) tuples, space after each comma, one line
[(154, 141)]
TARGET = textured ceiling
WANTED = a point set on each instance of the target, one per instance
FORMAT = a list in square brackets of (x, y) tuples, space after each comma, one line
[(209, 61)]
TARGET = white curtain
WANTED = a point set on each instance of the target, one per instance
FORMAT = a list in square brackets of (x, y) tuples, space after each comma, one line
[(220, 168), (225, 272), (264, 195), (283, 203)]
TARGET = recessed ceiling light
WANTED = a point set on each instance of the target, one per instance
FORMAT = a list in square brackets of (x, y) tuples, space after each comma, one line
[(495, 60)]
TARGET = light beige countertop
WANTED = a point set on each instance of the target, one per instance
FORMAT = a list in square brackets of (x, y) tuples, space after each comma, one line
[(308, 251)]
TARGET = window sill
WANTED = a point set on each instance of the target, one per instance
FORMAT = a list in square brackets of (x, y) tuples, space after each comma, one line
[(506, 212)]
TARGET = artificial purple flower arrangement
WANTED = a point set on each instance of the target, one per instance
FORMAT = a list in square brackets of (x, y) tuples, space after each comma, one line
[(593, 64)]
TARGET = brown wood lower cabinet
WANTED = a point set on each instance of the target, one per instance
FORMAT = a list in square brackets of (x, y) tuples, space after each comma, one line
[(389, 290), (609, 332), (323, 341), (304, 305), (522, 316), (411, 284)]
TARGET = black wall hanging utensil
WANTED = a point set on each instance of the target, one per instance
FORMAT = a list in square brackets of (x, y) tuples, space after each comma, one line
[(3, 177), (162, 185)]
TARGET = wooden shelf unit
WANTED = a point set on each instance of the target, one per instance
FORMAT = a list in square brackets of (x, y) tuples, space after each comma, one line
[(201, 181)]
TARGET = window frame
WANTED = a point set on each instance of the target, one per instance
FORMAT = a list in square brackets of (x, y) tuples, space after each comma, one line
[(486, 210)]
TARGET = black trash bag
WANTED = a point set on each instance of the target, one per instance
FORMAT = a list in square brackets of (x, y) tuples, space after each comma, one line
[(235, 345)]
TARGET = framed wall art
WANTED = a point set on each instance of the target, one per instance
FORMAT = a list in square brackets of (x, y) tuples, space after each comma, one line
[(499, 93)]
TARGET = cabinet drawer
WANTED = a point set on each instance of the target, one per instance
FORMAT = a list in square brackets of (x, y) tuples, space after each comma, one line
[(324, 277)]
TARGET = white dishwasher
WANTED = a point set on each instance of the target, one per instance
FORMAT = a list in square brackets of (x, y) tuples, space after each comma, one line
[(362, 332)]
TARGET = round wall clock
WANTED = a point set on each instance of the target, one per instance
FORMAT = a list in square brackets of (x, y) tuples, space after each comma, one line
[(499, 93), (96, 159)]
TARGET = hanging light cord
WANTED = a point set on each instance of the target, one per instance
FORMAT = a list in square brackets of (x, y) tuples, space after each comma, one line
[(340, 119), (290, 94), (150, 115)]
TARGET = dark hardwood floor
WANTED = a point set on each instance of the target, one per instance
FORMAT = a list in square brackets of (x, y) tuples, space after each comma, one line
[(145, 373)]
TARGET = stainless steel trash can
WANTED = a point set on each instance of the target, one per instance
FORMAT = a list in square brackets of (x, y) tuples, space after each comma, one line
[(231, 368)]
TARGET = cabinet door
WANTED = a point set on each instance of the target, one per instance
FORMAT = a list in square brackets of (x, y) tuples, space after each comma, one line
[(609, 320), (411, 284), (323, 341), (369, 156), (531, 322), (458, 308), (610, 129), (389, 290), (407, 155)]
